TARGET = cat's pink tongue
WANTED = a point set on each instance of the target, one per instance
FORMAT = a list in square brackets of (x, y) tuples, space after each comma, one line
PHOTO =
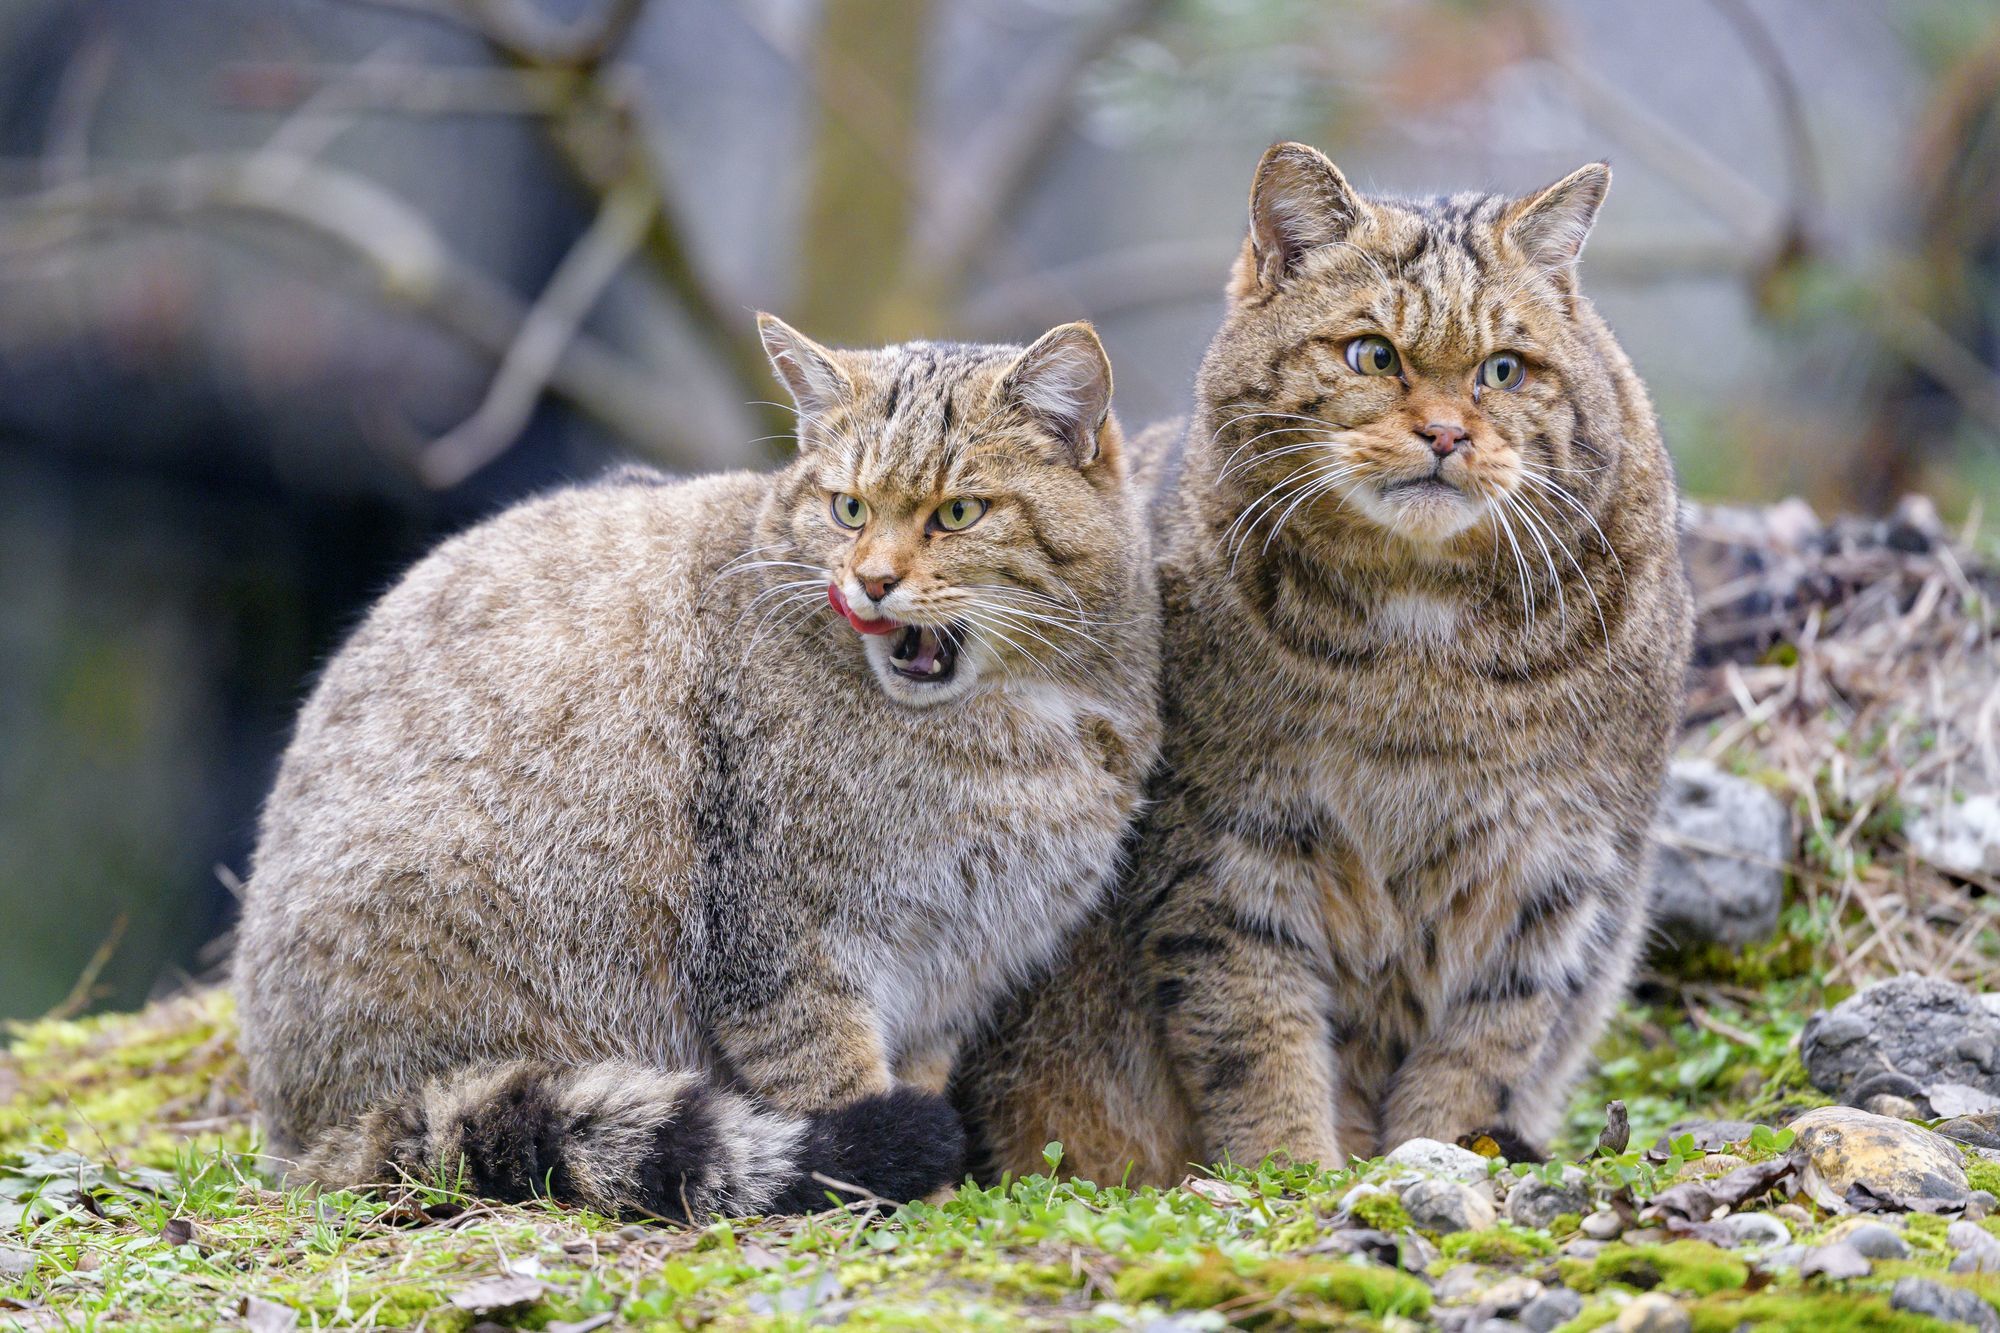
[(882, 626)]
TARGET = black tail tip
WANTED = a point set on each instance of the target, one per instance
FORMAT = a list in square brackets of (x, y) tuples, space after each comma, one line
[(899, 1145)]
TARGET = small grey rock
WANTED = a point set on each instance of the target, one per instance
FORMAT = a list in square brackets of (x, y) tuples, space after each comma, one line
[(1551, 1309), (1975, 1131), (1461, 1284), (1837, 1261), (1955, 1305), (1509, 1296), (1708, 1135), (1496, 1326), (1979, 1204), (1978, 1251), (1917, 1027), (1652, 1313), (15, 1264), (1963, 836), (1602, 1225), (1447, 1205), (1755, 1230), (1784, 1256), (1535, 1202), (1441, 1159), (1730, 895), (1896, 1108), (1876, 1241)]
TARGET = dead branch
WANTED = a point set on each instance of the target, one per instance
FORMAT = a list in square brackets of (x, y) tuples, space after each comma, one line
[(408, 262), (578, 283)]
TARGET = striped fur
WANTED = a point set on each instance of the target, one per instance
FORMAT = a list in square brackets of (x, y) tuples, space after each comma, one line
[(608, 857), (1392, 874)]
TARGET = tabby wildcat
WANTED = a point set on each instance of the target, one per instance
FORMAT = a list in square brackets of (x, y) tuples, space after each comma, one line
[(1425, 624), (652, 845)]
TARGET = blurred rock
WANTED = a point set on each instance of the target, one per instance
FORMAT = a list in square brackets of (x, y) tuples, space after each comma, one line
[(1875, 1240), (1708, 1135), (1963, 836), (1446, 1206), (1723, 843), (1954, 1305), (1926, 1031), (1755, 1230), (1652, 1313), (1536, 1203), (1974, 1131), (1894, 1160), (1443, 1159), (1550, 1310), (1978, 1251), (1835, 1262)]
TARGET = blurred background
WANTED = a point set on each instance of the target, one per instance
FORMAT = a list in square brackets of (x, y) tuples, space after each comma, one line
[(289, 288)]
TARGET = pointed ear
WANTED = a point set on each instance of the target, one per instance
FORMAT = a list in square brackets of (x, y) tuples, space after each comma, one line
[(809, 372), (1550, 225), (1298, 202), (1062, 384)]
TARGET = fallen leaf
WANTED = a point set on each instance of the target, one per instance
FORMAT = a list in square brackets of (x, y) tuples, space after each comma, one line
[(262, 1316), (497, 1293), (1218, 1192), (1684, 1206), (589, 1325), (177, 1232), (1954, 1099)]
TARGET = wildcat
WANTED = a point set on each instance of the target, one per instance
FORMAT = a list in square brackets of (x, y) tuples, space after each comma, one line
[(652, 845), (1424, 631)]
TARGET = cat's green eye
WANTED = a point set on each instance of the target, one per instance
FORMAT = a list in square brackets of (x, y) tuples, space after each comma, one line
[(1502, 370), (959, 513), (1372, 354), (850, 511)]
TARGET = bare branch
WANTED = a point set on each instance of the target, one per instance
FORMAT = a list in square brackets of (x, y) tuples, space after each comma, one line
[(982, 185), (409, 263), (579, 281)]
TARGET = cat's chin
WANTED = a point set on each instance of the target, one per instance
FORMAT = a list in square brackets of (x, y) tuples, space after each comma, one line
[(1425, 511)]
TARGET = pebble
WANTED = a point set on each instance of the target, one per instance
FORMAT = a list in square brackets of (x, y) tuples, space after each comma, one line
[(1583, 1249), (1447, 1205), (15, 1264), (1550, 1310), (1979, 1204), (1459, 1284), (1602, 1225), (1843, 1147), (1925, 1030), (1978, 1251), (1652, 1313), (1792, 1215), (1721, 880), (1755, 1230), (1708, 1135), (1871, 1238), (1715, 1164), (1836, 1261), (1508, 1296), (1954, 1305), (1442, 1159), (1976, 1131), (1896, 1108), (1536, 1203)]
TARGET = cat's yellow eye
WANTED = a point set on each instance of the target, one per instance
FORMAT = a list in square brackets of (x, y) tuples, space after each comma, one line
[(1503, 370), (850, 511), (958, 513), (1372, 354)]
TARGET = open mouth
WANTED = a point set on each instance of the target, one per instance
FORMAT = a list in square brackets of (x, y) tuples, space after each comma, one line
[(924, 654)]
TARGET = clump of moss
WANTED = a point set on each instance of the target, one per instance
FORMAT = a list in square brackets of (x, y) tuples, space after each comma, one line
[(1803, 1310), (1206, 1281), (1383, 1212), (145, 1084), (1503, 1244), (1681, 1265), (1983, 1175)]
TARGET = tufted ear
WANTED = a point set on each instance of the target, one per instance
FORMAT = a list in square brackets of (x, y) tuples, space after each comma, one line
[(1063, 384), (1550, 226), (1299, 201), (809, 372)]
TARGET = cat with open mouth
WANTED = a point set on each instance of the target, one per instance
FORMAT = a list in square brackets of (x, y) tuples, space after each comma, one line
[(654, 845)]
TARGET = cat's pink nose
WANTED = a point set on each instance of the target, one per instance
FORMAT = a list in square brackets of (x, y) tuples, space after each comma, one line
[(879, 588), (1444, 436)]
